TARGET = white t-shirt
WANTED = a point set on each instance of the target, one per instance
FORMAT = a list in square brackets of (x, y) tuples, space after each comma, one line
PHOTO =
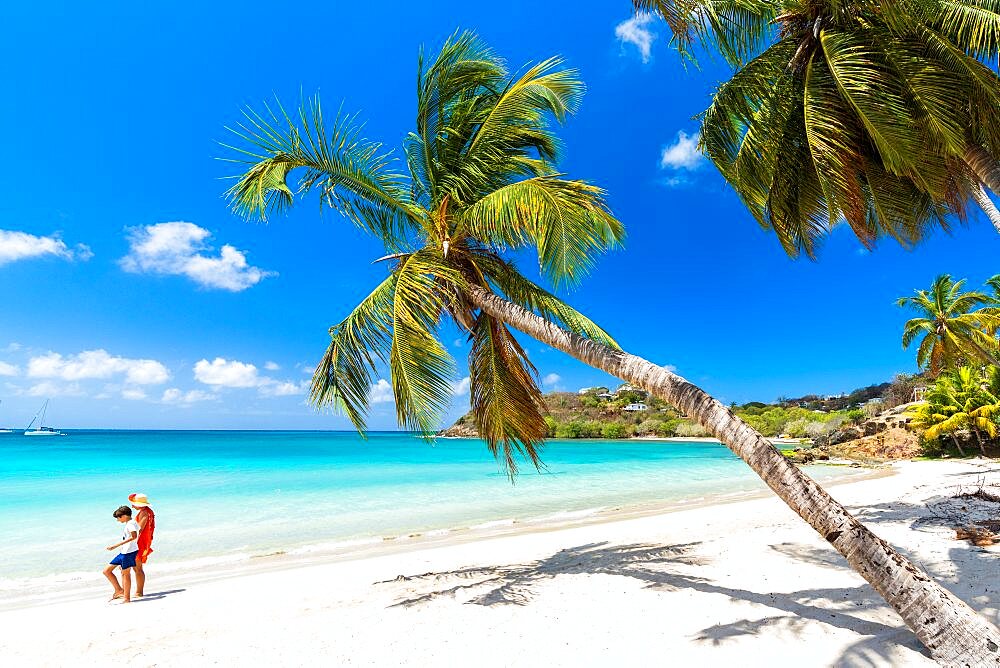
[(131, 545)]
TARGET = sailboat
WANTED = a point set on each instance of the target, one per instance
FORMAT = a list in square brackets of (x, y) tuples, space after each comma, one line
[(40, 430), (5, 431)]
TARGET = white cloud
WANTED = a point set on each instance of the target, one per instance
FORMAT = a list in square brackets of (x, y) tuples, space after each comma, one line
[(670, 367), (176, 249), (22, 246), (551, 379), (8, 369), (97, 364), (176, 396), (133, 394), (271, 366), (47, 388), (221, 372), (683, 153), (282, 388), (461, 387), (635, 31), (12, 347), (380, 392), (226, 373)]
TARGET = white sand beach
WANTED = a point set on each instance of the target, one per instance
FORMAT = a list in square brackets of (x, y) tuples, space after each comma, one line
[(744, 583)]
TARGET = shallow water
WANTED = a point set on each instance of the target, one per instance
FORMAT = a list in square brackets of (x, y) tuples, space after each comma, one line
[(221, 495)]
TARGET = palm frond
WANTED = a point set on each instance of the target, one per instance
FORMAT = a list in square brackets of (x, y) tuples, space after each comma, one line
[(972, 25), (738, 29), (567, 221), (353, 175), (520, 290), (506, 401), (344, 376), (422, 369)]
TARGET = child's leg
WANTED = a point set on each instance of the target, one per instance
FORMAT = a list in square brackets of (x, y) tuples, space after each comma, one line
[(140, 578), (127, 583), (109, 573)]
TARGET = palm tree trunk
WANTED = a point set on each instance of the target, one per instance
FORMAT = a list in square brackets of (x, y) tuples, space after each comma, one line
[(958, 445), (984, 166), (981, 197), (951, 630), (979, 440)]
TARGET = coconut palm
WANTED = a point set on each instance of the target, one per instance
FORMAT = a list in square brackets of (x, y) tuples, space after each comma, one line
[(961, 400), (878, 114), (954, 331), (936, 408), (481, 183), (994, 284)]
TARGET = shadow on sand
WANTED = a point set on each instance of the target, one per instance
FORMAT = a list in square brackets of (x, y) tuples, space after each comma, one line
[(674, 567), (157, 595)]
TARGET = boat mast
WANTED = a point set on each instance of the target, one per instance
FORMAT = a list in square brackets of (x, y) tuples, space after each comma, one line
[(41, 413)]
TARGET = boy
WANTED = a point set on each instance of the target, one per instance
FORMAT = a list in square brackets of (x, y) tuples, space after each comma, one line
[(127, 549)]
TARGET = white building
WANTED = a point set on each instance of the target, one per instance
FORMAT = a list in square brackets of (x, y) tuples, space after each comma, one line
[(633, 408)]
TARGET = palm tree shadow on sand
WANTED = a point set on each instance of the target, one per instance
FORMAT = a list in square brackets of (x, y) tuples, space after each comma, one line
[(668, 568)]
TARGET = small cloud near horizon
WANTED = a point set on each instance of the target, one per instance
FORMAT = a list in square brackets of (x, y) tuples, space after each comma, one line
[(635, 31), (380, 392), (551, 379), (93, 364), (234, 374), (175, 395)]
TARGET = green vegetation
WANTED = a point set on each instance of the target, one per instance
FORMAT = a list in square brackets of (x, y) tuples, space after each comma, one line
[(962, 400), (599, 413), (957, 327), (879, 114), (481, 181)]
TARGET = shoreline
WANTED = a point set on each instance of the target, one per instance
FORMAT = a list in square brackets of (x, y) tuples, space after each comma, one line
[(236, 565), (710, 585), (228, 566)]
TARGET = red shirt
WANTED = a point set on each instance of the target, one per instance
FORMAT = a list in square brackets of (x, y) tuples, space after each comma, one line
[(145, 540)]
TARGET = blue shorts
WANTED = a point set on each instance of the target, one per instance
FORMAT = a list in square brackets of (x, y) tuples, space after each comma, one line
[(125, 560)]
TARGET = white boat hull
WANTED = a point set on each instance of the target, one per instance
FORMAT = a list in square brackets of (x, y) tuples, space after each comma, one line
[(39, 432)]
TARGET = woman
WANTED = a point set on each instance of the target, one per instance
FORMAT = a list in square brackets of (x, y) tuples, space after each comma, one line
[(147, 523)]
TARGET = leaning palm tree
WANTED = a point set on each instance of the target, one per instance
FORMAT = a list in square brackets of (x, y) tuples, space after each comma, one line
[(880, 114), (482, 183), (960, 400), (957, 326)]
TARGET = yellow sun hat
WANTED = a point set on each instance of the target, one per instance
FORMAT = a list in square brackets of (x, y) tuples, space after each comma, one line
[(138, 499)]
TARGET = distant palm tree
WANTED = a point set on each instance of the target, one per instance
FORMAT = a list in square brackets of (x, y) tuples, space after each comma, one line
[(954, 331), (994, 284), (877, 113), (960, 400), (482, 182)]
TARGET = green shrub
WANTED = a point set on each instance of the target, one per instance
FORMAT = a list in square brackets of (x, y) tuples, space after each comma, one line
[(615, 430)]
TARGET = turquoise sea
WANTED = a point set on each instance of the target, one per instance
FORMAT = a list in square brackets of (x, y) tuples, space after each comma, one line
[(224, 496)]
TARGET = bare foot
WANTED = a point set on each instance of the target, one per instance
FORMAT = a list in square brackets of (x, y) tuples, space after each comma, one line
[(116, 596), (138, 594)]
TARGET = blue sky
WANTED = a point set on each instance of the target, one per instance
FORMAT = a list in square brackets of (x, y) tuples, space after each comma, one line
[(132, 297)]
